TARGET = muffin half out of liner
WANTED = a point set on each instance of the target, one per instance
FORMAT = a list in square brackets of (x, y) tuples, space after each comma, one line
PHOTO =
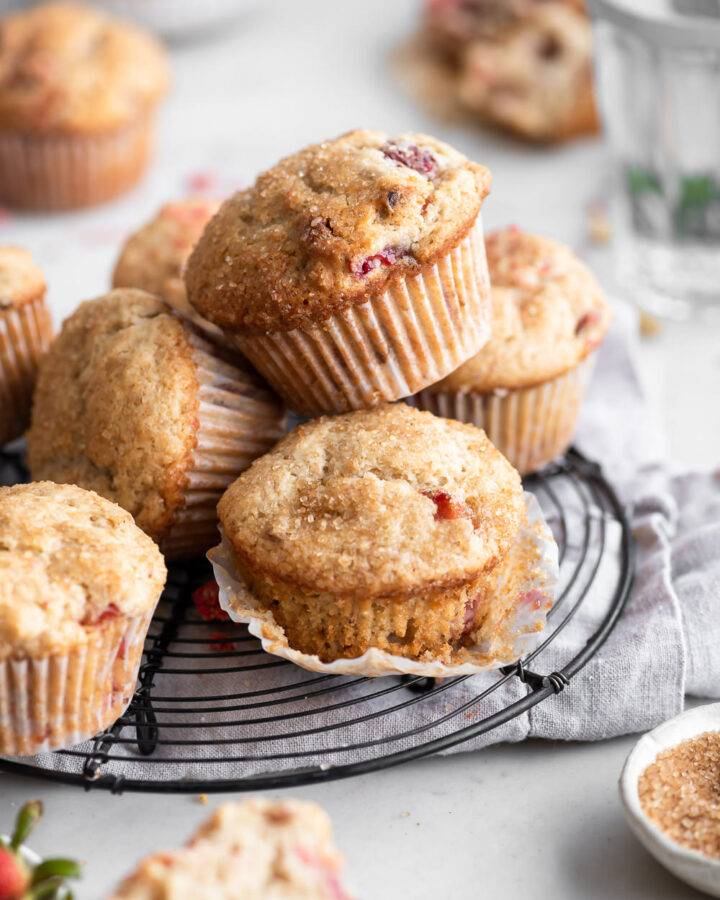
[(134, 403), (387, 531), (513, 602), (353, 272), (79, 582)]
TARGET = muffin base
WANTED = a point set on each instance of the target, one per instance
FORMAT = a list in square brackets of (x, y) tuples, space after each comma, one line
[(25, 334), (419, 330), (238, 420), (55, 172), (64, 699), (530, 426), (517, 595)]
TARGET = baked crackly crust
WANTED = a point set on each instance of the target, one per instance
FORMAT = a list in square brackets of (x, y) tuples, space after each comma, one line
[(20, 279), (68, 68), (548, 315), (68, 559), (348, 505), (116, 405), (255, 850), (330, 226)]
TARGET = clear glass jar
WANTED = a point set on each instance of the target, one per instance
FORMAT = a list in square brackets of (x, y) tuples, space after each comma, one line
[(658, 68)]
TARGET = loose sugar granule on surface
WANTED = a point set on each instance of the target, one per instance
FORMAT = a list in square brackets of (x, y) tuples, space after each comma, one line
[(680, 793)]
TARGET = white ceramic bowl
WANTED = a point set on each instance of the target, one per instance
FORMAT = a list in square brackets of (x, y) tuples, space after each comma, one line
[(702, 872)]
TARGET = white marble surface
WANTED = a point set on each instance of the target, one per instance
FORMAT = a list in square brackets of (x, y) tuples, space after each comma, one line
[(537, 820)]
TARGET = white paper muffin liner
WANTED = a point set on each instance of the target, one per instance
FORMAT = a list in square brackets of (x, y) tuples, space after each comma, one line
[(524, 589), (56, 171), (25, 334), (416, 332), (64, 699), (239, 419), (530, 426)]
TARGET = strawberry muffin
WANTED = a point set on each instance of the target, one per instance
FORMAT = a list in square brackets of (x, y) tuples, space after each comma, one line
[(132, 402), (25, 334), (79, 582), (526, 385), (153, 258), (78, 93), (374, 529), (522, 65), (352, 272), (256, 850)]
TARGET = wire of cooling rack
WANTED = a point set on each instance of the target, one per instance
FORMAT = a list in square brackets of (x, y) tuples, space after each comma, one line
[(213, 712)]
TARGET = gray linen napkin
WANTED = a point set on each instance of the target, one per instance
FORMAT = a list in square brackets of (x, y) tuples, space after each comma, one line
[(664, 645)]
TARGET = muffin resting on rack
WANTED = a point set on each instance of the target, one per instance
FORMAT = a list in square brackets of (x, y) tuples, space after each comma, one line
[(79, 582), (255, 850), (374, 529), (134, 403)]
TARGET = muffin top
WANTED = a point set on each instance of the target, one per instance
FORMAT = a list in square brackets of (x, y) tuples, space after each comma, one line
[(256, 850), (69, 560), (65, 67), (548, 315), (154, 257), (329, 226), (382, 502), (20, 279), (116, 404)]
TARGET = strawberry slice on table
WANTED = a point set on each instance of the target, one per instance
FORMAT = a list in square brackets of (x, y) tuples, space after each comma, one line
[(21, 881)]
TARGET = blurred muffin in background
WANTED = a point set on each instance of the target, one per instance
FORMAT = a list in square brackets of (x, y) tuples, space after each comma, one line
[(25, 334), (524, 66), (78, 93), (153, 257)]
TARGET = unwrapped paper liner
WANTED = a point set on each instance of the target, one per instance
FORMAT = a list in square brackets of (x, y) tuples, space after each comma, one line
[(525, 583)]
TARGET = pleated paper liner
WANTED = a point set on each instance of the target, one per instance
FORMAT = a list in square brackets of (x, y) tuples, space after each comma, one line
[(64, 699), (239, 419), (530, 426), (523, 587), (55, 172), (25, 334), (419, 330)]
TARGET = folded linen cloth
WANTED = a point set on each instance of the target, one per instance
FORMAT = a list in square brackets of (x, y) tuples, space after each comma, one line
[(664, 646)]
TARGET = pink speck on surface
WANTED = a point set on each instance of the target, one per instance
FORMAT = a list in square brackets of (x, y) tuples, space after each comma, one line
[(201, 181)]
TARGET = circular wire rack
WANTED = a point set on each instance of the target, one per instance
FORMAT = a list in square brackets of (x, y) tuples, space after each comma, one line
[(213, 712)]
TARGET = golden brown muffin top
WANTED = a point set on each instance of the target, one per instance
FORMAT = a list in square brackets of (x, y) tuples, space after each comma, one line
[(69, 68), (116, 405), (548, 315), (255, 850), (153, 258), (20, 279), (68, 560), (331, 225), (377, 503)]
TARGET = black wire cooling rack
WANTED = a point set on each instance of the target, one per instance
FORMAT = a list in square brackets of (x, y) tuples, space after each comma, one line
[(213, 712)]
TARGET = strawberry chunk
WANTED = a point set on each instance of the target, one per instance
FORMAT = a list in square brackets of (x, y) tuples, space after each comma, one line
[(207, 603), (446, 506)]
